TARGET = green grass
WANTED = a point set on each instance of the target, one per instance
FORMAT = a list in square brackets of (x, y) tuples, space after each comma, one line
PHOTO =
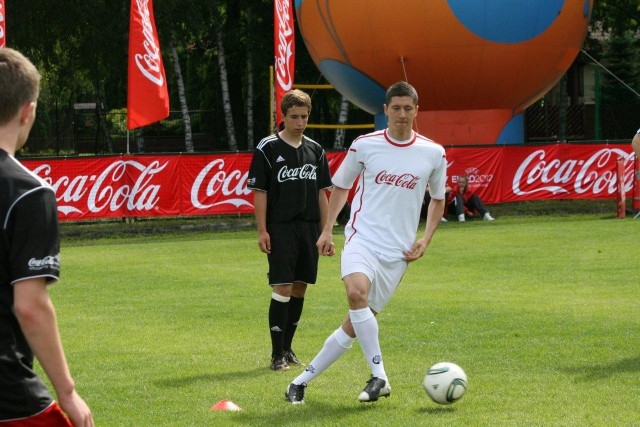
[(541, 312)]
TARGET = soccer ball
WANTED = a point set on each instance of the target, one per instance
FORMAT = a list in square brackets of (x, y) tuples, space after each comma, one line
[(445, 383)]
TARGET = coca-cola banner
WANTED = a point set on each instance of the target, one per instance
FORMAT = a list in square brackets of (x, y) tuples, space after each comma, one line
[(3, 25), (147, 93), (213, 184), (558, 171), (284, 51)]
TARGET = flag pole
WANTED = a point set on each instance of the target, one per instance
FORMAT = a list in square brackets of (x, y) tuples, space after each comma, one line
[(272, 101)]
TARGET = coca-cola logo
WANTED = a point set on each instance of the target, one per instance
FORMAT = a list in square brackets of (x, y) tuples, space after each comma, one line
[(404, 180), (107, 191), (595, 174), (150, 62), (46, 262), (217, 181), (284, 49), (306, 171)]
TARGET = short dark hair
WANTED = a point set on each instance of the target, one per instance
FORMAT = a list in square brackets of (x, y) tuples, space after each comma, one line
[(294, 98), (19, 83), (401, 88)]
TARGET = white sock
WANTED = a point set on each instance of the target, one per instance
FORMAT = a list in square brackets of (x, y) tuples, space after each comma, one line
[(334, 347), (366, 327), (461, 217)]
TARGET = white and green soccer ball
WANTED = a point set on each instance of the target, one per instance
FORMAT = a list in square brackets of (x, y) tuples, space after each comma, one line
[(445, 383)]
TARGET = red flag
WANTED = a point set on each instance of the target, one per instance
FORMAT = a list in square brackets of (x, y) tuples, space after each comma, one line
[(284, 48), (3, 26), (147, 95)]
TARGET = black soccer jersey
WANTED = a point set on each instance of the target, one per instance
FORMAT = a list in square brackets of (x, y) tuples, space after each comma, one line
[(292, 177), (29, 248)]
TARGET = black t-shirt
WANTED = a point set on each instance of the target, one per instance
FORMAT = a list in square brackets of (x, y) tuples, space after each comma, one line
[(292, 178), (29, 248)]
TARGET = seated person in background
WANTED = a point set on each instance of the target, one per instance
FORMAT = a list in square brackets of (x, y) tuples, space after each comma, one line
[(464, 202)]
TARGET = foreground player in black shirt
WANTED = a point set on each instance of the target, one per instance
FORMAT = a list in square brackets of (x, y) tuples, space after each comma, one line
[(29, 261), (289, 174)]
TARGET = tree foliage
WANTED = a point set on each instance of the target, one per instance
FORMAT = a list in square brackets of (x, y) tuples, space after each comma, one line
[(81, 48)]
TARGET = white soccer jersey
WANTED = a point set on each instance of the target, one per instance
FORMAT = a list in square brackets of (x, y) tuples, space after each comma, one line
[(385, 210)]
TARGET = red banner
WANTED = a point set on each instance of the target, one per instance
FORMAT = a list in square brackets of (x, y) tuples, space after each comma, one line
[(3, 25), (284, 51), (559, 171), (147, 94), (212, 184)]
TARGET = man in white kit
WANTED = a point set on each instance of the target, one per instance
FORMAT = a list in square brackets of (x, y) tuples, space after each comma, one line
[(395, 166)]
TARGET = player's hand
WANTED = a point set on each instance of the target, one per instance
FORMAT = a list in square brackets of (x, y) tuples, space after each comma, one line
[(325, 244), (76, 409), (264, 242), (418, 249)]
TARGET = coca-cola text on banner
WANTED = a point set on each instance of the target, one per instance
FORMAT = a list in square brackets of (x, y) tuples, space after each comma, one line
[(284, 50), (147, 93)]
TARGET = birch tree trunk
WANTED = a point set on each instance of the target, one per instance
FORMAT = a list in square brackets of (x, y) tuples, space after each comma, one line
[(226, 102), (104, 126), (186, 118), (338, 143), (249, 100), (139, 139)]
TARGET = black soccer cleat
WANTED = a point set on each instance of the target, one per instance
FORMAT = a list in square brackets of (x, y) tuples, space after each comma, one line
[(292, 359), (279, 364), (375, 388), (295, 393)]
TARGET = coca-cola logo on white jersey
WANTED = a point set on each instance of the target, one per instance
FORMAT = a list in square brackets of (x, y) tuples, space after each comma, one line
[(106, 191), (553, 175), (216, 180), (404, 180), (306, 171)]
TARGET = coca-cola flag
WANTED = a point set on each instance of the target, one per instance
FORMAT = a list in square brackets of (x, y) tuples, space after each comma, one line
[(147, 94), (284, 49), (3, 25)]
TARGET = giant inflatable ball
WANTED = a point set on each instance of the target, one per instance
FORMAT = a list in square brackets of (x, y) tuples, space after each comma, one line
[(477, 64)]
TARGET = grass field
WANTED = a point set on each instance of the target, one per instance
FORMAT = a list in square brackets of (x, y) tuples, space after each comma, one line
[(542, 312)]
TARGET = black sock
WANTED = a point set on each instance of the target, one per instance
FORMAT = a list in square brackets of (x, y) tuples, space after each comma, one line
[(278, 313), (295, 312)]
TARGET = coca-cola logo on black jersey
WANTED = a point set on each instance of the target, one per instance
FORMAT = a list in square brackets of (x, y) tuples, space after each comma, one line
[(44, 263), (303, 172)]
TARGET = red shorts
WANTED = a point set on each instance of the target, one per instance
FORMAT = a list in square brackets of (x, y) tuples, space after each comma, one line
[(50, 417)]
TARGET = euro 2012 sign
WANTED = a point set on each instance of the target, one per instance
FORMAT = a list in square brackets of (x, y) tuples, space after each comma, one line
[(460, 55)]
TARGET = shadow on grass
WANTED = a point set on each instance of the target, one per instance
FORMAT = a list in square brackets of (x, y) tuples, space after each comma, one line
[(598, 372), (223, 376), (437, 410), (320, 413)]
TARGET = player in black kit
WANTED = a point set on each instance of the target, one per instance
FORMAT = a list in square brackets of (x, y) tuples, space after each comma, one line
[(29, 262), (289, 174)]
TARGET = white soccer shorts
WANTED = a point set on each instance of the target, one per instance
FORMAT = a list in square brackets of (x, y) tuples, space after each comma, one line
[(383, 272)]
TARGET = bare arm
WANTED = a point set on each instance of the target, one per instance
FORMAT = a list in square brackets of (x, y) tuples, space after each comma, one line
[(260, 206), (635, 144), (323, 202), (434, 213), (37, 318), (336, 202)]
